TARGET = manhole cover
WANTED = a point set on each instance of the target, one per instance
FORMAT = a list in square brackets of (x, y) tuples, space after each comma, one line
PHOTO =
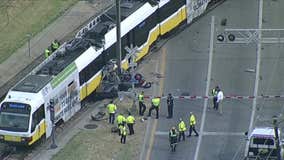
[(90, 126)]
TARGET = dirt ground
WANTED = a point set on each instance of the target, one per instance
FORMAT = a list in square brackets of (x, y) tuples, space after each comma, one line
[(101, 144)]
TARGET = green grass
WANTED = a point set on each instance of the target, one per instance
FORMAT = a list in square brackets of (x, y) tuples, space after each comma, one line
[(21, 17)]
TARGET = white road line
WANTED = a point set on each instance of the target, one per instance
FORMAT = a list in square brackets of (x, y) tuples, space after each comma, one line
[(207, 87), (164, 133), (258, 50), (148, 128), (223, 134)]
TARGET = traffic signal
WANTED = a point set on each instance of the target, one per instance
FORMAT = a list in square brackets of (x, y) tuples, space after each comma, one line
[(231, 37), (220, 38)]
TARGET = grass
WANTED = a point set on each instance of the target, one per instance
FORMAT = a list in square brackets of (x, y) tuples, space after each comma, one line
[(21, 17)]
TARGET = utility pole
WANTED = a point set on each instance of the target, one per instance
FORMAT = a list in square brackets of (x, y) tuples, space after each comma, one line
[(52, 117), (275, 125), (29, 43), (118, 37)]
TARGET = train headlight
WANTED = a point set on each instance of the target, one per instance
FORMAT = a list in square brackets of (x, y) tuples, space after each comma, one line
[(26, 139), (1, 137)]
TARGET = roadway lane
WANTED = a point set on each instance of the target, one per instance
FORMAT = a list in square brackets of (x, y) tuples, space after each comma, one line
[(186, 71), (271, 71)]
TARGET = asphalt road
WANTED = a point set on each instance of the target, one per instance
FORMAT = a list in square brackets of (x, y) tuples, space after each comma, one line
[(222, 136)]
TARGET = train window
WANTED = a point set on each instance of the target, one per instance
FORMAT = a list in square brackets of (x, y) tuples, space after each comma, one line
[(82, 76), (38, 115)]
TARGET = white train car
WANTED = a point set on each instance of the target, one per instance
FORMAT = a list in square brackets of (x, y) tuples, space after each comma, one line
[(73, 72)]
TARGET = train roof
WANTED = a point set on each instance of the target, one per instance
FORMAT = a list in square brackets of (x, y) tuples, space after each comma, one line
[(70, 51), (32, 83)]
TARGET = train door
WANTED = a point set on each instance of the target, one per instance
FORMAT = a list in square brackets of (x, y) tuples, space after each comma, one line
[(48, 123)]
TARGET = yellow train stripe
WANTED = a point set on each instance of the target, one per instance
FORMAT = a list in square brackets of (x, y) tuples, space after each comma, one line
[(38, 133), (93, 84)]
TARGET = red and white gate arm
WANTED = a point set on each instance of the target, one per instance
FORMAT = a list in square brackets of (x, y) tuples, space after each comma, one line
[(193, 97)]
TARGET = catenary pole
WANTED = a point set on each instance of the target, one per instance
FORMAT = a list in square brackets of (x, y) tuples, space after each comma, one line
[(118, 44)]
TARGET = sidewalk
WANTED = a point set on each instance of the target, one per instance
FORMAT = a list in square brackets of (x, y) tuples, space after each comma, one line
[(21, 63)]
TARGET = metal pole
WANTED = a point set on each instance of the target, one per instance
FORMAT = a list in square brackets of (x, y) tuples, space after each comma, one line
[(275, 125), (29, 43), (118, 37), (53, 144)]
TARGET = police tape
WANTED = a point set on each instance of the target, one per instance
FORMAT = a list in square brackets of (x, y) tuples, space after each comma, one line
[(225, 97)]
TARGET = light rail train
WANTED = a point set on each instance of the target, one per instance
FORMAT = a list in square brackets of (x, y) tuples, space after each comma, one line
[(74, 71)]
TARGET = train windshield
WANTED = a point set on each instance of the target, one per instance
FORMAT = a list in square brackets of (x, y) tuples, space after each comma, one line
[(14, 116)]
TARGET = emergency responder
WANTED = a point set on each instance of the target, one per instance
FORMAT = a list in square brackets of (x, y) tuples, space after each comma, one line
[(220, 97), (142, 106), (192, 122), (130, 120), (155, 105), (173, 138), (123, 133), (54, 45), (214, 93), (120, 120), (170, 103), (181, 129), (111, 110), (47, 52)]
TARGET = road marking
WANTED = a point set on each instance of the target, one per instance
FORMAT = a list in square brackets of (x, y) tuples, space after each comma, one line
[(207, 87), (163, 133), (152, 136), (223, 134), (258, 50)]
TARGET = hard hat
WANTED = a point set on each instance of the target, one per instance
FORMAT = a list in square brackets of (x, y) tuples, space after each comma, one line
[(173, 127), (180, 119), (190, 112)]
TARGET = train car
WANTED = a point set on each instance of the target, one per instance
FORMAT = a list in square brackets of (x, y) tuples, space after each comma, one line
[(74, 71)]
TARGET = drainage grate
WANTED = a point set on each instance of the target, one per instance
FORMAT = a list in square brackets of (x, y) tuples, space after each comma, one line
[(90, 126)]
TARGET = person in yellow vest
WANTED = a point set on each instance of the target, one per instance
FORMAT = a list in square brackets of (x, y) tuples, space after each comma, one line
[(54, 45), (47, 52), (156, 106), (142, 106), (111, 111), (181, 129), (130, 120), (120, 120), (192, 122), (123, 133)]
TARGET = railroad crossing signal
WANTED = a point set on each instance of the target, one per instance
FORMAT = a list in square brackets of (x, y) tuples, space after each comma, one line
[(247, 36), (131, 56)]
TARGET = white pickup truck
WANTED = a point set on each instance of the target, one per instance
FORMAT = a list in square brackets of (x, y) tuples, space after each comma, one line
[(262, 144)]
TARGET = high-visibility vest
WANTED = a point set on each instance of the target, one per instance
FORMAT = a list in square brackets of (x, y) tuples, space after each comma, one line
[(156, 102), (55, 45), (214, 92), (47, 53), (123, 130), (130, 119), (120, 119), (173, 134), (181, 126), (111, 108), (141, 97), (192, 120)]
